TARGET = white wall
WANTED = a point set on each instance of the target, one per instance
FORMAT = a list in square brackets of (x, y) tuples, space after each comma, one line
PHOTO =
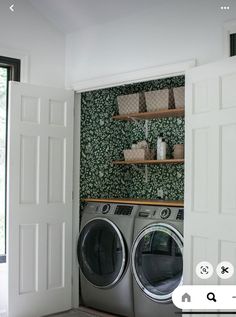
[(25, 32), (166, 32)]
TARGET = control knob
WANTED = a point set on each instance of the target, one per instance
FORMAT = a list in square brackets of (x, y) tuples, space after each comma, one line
[(106, 208), (165, 213)]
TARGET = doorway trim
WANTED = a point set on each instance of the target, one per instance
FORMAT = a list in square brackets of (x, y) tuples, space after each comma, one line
[(152, 73), (140, 75)]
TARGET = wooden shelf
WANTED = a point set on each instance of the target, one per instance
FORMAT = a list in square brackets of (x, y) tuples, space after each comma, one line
[(150, 162), (134, 201), (151, 115)]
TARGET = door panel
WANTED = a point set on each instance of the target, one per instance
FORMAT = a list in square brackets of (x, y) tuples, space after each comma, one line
[(200, 167), (227, 169), (29, 169), (58, 110), (56, 165), (210, 178), (39, 200), (228, 83), (30, 109), (56, 255), (201, 101), (28, 252)]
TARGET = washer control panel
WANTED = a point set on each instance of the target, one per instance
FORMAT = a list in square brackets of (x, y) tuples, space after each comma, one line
[(161, 213)]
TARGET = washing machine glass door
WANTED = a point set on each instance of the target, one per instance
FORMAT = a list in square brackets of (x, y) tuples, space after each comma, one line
[(101, 253), (157, 261)]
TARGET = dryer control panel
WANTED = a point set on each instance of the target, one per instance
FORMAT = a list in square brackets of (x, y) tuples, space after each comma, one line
[(113, 209), (161, 213), (180, 215), (123, 210)]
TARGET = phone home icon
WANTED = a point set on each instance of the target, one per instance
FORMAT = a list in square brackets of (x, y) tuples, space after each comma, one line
[(186, 298)]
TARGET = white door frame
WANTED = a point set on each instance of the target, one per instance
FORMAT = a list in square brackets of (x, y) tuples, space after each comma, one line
[(76, 202), (141, 75)]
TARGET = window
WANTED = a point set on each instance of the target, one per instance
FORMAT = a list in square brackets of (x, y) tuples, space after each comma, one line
[(233, 44), (230, 38), (9, 70)]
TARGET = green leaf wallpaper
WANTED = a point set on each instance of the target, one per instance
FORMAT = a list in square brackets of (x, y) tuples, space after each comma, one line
[(103, 140)]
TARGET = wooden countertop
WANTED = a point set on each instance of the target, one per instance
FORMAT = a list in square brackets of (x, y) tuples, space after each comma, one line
[(134, 201)]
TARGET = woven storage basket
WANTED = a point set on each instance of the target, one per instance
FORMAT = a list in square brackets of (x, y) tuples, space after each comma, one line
[(131, 103), (179, 97), (157, 100), (178, 152), (138, 154)]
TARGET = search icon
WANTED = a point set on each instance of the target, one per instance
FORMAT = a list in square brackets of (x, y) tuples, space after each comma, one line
[(211, 296)]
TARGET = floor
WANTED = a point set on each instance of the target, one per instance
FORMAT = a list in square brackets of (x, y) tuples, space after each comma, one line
[(83, 312)]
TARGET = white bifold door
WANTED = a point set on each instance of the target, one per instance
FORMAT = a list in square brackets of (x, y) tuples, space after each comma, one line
[(210, 187), (39, 203)]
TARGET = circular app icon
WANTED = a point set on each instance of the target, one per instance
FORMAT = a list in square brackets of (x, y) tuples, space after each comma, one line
[(204, 270), (225, 270)]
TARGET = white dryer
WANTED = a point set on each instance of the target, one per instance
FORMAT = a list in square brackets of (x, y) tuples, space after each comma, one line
[(103, 250), (157, 260)]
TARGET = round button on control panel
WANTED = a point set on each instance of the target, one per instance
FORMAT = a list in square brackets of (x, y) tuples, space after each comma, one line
[(165, 213), (106, 208)]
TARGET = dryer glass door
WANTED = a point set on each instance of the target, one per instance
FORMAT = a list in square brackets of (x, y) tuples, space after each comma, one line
[(101, 253), (157, 261)]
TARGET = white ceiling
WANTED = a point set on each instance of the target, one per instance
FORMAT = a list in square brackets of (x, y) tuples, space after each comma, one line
[(72, 15)]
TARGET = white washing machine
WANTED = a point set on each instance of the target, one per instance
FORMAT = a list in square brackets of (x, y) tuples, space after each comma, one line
[(157, 260), (103, 250)]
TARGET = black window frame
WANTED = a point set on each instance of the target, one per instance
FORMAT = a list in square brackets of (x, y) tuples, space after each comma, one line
[(13, 66), (232, 44)]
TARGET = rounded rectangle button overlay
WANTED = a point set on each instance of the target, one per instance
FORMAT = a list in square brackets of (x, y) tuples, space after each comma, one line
[(205, 297)]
